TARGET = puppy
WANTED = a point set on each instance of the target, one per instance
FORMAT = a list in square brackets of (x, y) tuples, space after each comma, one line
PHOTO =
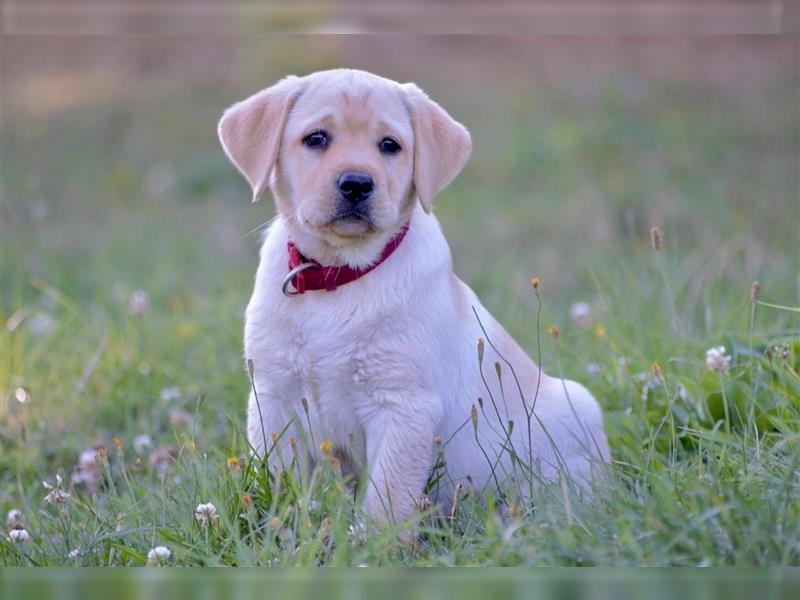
[(358, 331)]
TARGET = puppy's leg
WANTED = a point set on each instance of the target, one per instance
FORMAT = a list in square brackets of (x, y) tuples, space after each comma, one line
[(578, 434), (268, 426), (400, 453)]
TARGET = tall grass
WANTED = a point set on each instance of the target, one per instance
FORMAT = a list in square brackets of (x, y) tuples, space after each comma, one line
[(705, 463)]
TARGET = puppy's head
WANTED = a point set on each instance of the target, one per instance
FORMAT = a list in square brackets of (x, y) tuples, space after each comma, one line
[(346, 153)]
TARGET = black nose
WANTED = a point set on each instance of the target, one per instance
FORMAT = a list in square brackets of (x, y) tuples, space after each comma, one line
[(354, 186)]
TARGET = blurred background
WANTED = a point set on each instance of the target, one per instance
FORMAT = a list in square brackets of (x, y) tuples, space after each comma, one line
[(126, 231)]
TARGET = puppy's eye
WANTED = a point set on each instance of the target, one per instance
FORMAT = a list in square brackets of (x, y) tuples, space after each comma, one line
[(389, 146), (316, 139)]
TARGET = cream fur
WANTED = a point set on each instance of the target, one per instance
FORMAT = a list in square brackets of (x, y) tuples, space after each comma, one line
[(387, 362)]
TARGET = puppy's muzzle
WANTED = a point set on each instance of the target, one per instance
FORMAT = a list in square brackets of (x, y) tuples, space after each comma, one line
[(355, 186)]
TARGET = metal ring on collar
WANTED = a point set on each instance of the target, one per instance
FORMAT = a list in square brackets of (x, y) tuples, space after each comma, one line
[(290, 275)]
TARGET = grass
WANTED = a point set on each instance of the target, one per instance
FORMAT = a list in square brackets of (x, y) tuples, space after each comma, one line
[(120, 195)]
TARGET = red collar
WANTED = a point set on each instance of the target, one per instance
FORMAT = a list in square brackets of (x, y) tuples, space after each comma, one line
[(313, 276)]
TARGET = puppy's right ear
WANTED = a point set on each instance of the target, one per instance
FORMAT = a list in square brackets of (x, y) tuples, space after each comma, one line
[(251, 131)]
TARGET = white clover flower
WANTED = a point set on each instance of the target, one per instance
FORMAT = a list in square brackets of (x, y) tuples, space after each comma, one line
[(170, 393), (86, 472), (593, 368), (40, 324), (142, 442), (88, 479), (138, 303), (19, 536), (205, 514), (75, 554), (56, 495), (14, 518), (158, 555), (22, 395), (580, 313), (180, 417), (161, 458), (87, 459), (717, 360)]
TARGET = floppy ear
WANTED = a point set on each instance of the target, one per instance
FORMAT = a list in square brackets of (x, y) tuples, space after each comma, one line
[(251, 131), (441, 145)]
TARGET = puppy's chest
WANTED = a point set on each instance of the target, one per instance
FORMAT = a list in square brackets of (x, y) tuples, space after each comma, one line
[(331, 355)]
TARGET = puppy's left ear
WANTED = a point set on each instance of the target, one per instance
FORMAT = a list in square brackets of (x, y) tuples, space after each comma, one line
[(441, 145), (251, 130)]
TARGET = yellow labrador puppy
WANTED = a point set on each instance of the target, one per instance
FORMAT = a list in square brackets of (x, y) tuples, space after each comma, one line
[(358, 331)]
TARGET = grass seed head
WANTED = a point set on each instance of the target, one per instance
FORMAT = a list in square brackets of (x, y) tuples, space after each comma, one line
[(755, 292), (656, 368), (326, 527), (424, 503), (357, 532), (655, 238)]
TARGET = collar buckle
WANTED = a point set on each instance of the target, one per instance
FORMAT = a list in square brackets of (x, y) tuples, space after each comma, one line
[(300, 285)]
